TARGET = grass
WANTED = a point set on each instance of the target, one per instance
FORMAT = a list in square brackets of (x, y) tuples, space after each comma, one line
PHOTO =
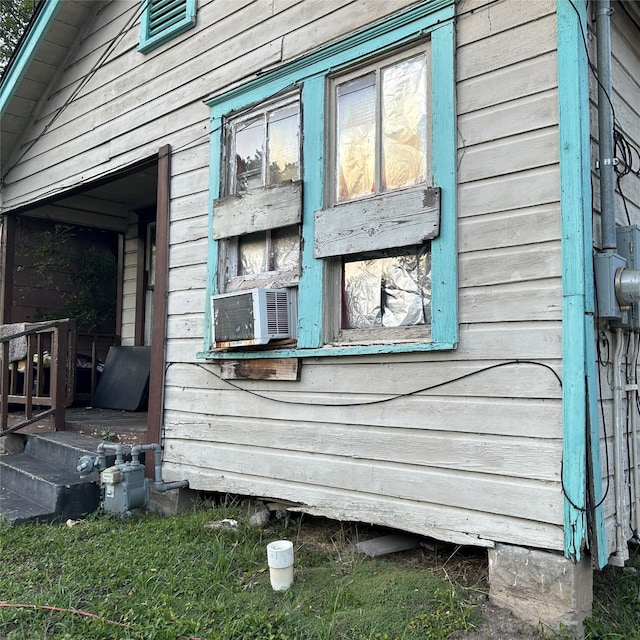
[(168, 578)]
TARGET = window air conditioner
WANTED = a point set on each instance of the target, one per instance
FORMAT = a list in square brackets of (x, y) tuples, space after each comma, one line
[(252, 317)]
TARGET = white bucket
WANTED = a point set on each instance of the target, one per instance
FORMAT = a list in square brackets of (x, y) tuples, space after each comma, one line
[(280, 558)]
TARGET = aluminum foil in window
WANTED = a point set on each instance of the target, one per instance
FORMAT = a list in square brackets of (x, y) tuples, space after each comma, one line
[(387, 292), (404, 124), (274, 250), (356, 138)]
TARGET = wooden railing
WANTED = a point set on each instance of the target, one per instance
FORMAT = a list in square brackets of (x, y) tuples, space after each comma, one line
[(38, 382)]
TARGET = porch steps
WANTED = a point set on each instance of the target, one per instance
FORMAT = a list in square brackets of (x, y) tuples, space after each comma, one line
[(42, 483)]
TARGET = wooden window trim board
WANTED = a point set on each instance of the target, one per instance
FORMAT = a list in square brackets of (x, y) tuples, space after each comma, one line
[(433, 19)]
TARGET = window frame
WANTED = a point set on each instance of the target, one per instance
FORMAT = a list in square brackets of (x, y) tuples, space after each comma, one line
[(149, 42), (273, 206), (433, 19)]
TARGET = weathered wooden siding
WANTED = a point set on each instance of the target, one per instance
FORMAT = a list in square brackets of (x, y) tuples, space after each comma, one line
[(129, 281), (476, 460)]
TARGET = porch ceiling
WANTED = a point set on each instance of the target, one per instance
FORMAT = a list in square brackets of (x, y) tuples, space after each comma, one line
[(105, 204)]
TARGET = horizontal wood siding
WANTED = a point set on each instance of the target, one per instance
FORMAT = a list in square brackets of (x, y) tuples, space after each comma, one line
[(462, 445)]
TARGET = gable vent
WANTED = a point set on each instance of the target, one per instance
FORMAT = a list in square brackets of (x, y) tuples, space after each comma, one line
[(163, 14), (162, 20)]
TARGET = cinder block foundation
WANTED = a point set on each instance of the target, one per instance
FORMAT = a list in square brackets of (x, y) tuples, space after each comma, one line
[(541, 587), (173, 502)]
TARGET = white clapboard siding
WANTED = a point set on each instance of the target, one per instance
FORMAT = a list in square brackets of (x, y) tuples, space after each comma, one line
[(463, 445)]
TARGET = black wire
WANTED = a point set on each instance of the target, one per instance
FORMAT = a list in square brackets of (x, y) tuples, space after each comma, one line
[(379, 401)]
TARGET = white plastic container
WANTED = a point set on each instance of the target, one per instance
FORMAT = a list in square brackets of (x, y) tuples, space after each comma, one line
[(280, 558)]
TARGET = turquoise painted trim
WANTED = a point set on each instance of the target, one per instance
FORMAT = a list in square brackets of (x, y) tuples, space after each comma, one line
[(578, 406), (321, 352), (149, 43), (444, 262), (18, 69), (215, 142), (310, 289), (433, 17)]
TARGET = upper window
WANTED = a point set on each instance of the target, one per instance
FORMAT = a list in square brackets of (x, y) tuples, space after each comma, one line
[(381, 128), (258, 219), (164, 19)]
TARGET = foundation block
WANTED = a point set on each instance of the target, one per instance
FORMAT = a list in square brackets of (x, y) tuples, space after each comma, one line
[(541, 587)]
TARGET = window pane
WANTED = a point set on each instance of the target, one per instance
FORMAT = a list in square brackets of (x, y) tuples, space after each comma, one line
[(387, 292), (249, 153), (284, 144), (285, 249), (252, 254), (356, 138), (404, 124)]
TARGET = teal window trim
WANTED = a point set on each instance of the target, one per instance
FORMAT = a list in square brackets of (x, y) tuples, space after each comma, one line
[(150, 41), (580, 387), (16, 72), (433, 18)]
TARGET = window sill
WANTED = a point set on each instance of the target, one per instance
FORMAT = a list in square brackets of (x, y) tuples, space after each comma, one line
[(328, 350)]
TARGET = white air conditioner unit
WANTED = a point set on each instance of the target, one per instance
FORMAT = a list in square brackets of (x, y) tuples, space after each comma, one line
[(252, 317)]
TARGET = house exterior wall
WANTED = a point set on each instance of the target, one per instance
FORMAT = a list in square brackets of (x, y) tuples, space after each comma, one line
[(475, 460)]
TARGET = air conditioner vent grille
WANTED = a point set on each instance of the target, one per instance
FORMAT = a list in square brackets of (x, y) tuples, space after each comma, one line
[(277, 303)]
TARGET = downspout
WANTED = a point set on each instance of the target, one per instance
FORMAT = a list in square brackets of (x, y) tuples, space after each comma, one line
[(606, 150)]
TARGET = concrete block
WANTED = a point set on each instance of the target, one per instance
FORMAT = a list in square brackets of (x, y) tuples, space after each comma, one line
[(11, 443), (541, 587), (174, 502)]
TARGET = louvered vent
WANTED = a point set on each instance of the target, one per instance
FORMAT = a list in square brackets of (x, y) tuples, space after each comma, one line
[(251, 317), (277, 302), (163, 14)]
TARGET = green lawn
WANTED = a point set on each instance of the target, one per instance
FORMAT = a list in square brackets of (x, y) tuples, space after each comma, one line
[(157, 578)]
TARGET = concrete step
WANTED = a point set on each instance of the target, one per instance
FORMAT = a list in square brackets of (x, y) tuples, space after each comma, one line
[(18, 509), (52, 486), (61, 448)]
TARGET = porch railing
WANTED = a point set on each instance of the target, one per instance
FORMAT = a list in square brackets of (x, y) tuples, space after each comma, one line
[(37, 382)]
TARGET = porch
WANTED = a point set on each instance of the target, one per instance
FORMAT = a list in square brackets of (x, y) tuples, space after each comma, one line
[(40, 393)]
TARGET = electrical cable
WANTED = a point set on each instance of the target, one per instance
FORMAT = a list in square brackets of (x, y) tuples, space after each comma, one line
[(378, 401)]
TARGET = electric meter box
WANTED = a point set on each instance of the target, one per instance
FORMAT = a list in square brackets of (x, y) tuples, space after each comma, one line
[(628, 246)]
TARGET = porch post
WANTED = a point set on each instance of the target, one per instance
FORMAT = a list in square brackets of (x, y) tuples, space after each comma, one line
[(159, 322), (6, 268)]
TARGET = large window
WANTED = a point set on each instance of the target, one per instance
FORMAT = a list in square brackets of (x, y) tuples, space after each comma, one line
[(379, 144), (334, 176)]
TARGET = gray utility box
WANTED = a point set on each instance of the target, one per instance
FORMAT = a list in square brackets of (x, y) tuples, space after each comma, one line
[(628, 243)]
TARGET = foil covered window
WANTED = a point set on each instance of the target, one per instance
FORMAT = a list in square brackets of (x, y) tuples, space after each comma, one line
[(381, 129), (269, 251), (390, 291)]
